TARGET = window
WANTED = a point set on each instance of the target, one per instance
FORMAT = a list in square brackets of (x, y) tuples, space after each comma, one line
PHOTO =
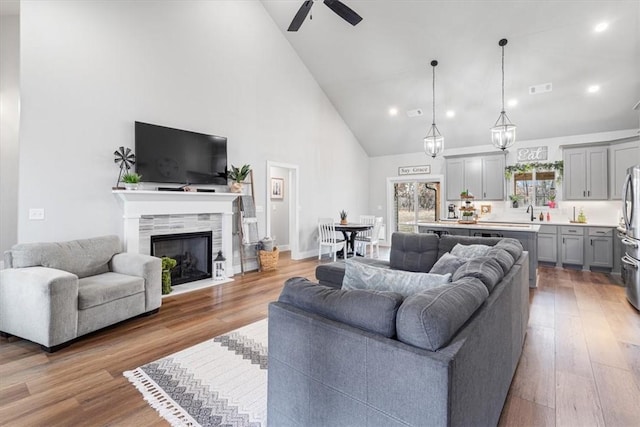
[(535, 188)]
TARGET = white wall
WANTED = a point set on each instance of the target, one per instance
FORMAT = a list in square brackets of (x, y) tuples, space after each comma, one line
[(90, 69), (387, 166), (9, 123)]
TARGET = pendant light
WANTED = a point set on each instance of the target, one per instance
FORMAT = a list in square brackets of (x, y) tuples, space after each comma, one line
[(434, 141), (503, 132)]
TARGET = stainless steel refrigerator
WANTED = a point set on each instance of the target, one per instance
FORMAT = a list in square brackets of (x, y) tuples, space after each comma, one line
[(631, 239)]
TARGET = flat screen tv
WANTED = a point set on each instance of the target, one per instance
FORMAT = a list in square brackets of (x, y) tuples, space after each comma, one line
[(179, 156)]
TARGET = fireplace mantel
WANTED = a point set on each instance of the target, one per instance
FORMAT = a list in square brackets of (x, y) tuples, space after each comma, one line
[(136, 203)]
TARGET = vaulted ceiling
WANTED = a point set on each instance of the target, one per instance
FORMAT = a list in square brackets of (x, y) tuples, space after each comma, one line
[(383, 63)]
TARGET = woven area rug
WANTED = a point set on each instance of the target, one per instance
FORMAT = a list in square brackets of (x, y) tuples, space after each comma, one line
[(220, 382)]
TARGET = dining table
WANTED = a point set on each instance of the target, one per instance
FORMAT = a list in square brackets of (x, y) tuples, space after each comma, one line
[(350, 230)]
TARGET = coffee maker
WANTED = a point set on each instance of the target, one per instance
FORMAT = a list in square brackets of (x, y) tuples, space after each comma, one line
[(451, 214)]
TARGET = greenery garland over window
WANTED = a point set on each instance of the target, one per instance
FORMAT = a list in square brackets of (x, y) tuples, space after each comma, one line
[(528, 167)]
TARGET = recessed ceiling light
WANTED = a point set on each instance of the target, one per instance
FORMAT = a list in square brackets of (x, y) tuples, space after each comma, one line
[(393, 111), (593, 88), (512, 102), (601, 27), (451, 113)]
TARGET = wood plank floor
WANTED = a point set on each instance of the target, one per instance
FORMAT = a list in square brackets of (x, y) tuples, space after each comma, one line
[(580, 365)]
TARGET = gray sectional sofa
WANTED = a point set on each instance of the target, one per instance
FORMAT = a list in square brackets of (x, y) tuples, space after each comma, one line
[(54, 292), (441, 357)]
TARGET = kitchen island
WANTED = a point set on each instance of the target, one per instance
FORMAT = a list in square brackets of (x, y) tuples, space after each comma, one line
[(527, 234)]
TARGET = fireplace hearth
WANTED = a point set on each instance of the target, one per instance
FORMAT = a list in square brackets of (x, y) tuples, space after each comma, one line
[(192, 252)]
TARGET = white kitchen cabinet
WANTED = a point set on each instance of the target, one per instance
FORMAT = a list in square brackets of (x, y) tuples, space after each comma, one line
[(586, 173), (454, 179), (493, 177)]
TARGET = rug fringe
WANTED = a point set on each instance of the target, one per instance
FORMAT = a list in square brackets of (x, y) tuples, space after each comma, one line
[(166, 407)]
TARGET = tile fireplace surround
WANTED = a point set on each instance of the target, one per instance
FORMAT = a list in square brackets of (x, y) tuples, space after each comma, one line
[(147, 213)]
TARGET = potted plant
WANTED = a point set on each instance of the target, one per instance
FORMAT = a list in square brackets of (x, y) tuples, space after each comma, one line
[(167, 265), (343, 217), (515, 198), (238, 175), (131, 180)]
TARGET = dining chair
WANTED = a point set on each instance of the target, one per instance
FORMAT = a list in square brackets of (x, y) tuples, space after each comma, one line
[(369, 220), (372, 238), (327, 237)]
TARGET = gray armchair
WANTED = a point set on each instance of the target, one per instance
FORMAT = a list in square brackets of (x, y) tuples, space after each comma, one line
[(52, 293)]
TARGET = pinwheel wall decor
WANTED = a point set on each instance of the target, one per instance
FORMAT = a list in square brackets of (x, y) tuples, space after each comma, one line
[(125, 159)]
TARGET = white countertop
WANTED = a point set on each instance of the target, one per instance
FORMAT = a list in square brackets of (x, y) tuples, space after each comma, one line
[(527, 228), (538, 222)]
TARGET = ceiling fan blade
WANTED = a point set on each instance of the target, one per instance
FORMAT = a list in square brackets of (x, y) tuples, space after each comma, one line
[(343, 11), (300, 16)]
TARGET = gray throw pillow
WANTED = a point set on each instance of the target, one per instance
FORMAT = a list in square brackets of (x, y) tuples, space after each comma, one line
[(486, 269), (470, 251), (448, 264), (513, 246), (503, 257), (431, 318), (361, 276)]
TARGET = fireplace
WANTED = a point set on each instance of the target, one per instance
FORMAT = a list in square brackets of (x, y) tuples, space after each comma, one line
[(192, 252)]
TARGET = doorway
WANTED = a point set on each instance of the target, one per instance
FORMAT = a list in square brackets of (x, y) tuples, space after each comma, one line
[(281, 206), (413, 200)]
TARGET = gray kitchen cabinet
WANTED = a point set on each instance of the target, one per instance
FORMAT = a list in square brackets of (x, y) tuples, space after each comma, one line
[(586, 173), (548, 244), (572, 245), (621, 157), (454, 179), (493, 177), (483, 176), (600, 248)]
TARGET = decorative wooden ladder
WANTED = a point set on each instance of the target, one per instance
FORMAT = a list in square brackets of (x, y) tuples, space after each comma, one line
[(247, 224)]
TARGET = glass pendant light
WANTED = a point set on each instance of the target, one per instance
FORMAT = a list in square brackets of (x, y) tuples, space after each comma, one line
[(503, 132), (434, 141)]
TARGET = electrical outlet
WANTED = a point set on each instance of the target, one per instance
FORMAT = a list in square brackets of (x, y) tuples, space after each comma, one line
[(36, 214)]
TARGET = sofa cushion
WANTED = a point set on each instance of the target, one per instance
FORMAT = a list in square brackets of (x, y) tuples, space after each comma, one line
[(503, 257), (413, 251), (486, 269), (331, 274), (103, 288), (513, 246), (431, 318), (81, 257), (362, 276), (369, 310), (447, 264), (447, 242), (470, 251)]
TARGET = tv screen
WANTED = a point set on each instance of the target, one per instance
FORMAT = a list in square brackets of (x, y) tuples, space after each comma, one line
[(178, 156)]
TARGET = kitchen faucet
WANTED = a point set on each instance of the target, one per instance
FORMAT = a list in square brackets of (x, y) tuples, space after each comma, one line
[(530, 207)]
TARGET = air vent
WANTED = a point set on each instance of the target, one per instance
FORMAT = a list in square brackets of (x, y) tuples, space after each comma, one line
[(415, 113), (637, 106), (544, 87)]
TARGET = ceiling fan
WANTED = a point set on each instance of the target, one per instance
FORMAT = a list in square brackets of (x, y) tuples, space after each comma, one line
[(342, 10)]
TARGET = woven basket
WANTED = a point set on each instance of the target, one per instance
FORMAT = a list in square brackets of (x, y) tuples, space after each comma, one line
[(269, 259)]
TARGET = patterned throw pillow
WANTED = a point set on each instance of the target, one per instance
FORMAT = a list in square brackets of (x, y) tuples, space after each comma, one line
[(361, 276), (470, 251), (447, 264)]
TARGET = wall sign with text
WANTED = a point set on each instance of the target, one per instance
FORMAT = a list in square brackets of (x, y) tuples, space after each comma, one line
[(532, 154), (414, 170)]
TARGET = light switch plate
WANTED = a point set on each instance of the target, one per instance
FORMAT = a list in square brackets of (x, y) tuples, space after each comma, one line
[(36, 214)]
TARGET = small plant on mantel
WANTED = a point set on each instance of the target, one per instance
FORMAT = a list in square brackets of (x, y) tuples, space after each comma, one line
[(343, 217), (131, 180), (238, 175)]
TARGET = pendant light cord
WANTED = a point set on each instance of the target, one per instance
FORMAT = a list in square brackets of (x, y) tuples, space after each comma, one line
[(503, 79), (433, 88)]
